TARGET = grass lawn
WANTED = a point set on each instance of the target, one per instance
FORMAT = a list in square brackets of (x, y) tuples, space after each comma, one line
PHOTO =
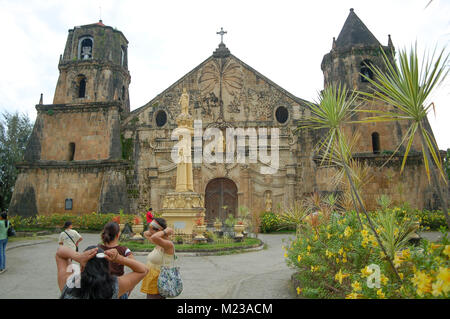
[(204, 247)]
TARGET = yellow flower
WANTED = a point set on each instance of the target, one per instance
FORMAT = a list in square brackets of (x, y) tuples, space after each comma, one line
[(397, 260), (423, 283), (329, 235), (364, 232), (353, 295), (344, 260), (400, 275), (406, 254), (444, 276), (384, 279), (437, 288), (366, 271), (328, 253), (435, 246), (340, 276), (380, 294), (299, 258), (356, 286), (316, 237), (337, 260), (314, 268), (285, 255), (447, 250), (299, 291), (347, 232), (308, 248), (341, 251)]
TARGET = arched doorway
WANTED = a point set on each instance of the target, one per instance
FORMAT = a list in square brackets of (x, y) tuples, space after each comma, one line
[(220, 199)]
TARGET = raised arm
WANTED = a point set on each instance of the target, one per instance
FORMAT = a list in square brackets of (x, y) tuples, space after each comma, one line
[(128, 281), (63, 257), (158, 239)]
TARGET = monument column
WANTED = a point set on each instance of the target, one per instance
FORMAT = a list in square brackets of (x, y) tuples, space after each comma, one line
[(182, 207)]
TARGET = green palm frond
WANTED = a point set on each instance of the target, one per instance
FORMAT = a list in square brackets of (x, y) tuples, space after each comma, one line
[(407, 86), (332, 112)]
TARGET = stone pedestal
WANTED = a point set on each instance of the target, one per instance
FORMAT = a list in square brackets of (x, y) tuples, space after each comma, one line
[(181, 210)]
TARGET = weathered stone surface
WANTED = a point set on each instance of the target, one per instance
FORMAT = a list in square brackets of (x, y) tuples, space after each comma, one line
[(224, 93)]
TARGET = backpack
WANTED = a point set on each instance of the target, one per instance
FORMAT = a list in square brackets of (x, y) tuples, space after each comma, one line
[(11, 231)]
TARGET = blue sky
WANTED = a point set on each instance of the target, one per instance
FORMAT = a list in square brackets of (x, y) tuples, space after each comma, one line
[(284, 40)]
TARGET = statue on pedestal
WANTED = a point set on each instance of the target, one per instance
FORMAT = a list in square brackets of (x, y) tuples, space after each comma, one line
[(185, 181)]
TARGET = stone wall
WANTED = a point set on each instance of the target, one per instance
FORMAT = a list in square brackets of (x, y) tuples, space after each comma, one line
[(93, 187), (93, 128)]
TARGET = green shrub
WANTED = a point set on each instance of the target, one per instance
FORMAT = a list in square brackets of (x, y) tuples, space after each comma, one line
[(428, 219), (334, 258), (93, 221), (270, 222)]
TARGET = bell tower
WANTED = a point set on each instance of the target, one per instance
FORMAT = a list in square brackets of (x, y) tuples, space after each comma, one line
[(355, 48), (94, 67), (73, 162)]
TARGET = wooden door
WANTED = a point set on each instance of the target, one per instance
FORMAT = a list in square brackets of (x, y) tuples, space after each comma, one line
[(220, 199)]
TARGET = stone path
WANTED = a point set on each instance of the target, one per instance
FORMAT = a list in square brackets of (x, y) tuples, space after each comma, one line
[(254, 275)]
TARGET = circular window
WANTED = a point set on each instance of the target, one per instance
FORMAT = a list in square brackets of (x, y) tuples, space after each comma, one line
[(161, 118), (282, 114)]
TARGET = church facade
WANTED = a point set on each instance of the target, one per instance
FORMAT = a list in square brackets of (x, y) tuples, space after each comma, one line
[(88, 152)]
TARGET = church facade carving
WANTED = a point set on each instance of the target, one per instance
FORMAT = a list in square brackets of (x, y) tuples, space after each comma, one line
[(224, 92)]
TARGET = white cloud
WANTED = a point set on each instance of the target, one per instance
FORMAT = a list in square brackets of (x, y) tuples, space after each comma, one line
[(284, 40)]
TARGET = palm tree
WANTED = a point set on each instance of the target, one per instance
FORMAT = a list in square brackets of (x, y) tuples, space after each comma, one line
[(406, 87), (332, 113)]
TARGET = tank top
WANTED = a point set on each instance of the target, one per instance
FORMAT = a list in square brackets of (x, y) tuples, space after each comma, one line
[(157, 257)]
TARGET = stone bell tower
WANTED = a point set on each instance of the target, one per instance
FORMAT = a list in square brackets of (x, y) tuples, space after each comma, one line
[(354, 49), (73, 162), (94, 67)]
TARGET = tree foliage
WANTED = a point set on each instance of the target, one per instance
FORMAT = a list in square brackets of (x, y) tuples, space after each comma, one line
[(15, 130)]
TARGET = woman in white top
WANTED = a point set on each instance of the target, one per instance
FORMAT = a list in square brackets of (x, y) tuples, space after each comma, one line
[(163, 254), (70, 237)]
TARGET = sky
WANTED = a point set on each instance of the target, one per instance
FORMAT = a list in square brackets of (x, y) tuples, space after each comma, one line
[(283, 40)]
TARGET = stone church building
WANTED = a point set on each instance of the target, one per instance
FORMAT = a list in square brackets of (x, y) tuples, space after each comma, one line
[(89, 153)]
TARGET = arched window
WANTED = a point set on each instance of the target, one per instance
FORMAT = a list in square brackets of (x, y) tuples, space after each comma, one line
[(365, 70), (123, 57), (71, 151), (123, 93), (376, 142), (85, 46), (81, 86)]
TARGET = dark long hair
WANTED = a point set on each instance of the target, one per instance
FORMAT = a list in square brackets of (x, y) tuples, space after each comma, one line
[(110, 232), (96, 281), (4, 215), (161, 221)]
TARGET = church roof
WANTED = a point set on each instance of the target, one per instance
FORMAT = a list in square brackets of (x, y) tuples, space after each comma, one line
[(221, 52), (354, 33)]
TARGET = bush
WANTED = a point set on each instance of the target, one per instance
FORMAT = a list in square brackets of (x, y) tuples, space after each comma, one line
[(430, 219), (270, 222), (334, 261), (93, 221)]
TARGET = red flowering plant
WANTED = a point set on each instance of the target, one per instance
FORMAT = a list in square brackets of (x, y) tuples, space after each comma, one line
[(199, 221), (137, 220), (116, 219)]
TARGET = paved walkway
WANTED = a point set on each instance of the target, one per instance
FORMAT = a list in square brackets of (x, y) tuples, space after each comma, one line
[(254, 275)]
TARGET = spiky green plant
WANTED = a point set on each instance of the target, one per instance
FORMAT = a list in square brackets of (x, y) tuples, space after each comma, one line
[(406, 86), (333, 112)]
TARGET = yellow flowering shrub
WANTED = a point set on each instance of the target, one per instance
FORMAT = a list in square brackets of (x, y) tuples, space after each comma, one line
[(339, 259)]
